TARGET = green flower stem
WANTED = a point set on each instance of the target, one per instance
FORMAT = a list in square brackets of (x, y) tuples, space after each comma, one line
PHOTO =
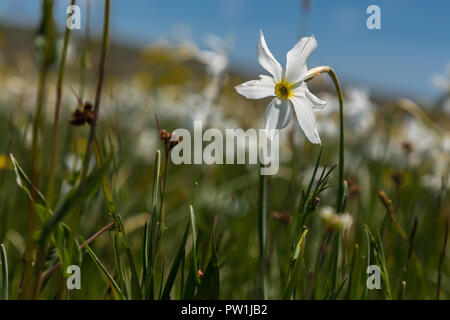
[(262, 230), (83, 59), (101, 73), (32, 216), (59, 85), (340, 201), (312, 74)]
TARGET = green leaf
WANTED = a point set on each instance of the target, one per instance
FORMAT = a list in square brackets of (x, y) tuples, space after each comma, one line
[(4, 272), (294, 273), (144, 253), (74, 197), (162, 278), (149, 281), (117, 263), (155, 194), (135, 286), (194, 243), (191, 283), (333, 295), (174, 269), (42, 212), (25, 183), (114, 287), (376, 249), (210, 284), (62, 236)]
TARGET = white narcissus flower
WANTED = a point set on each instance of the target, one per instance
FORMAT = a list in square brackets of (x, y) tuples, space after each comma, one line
[(287, 87)]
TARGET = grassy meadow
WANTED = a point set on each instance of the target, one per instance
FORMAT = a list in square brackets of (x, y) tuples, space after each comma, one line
[(86, 179)]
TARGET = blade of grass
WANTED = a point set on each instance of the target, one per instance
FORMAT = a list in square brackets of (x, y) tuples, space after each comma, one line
[(162, 278), (81, 247), (4, 272), (116, 242), (113, 285), (194, 243), (175, 266), (294, 273), (135, 286), (210, 285), (352, 272), (144, 254), (402, 290), (148, 284), (153, 224), (441, 260), (25, 183), (387, 203), (74, 197)]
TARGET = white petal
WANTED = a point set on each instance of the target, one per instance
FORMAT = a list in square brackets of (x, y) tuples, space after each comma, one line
[(278, 116), (317, 103), (257, 89), (303, 108), (303, 91), (296, 59), (266, 59)]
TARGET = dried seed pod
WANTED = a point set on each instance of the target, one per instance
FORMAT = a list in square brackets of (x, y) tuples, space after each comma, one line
[(83, 114), (166, 136)]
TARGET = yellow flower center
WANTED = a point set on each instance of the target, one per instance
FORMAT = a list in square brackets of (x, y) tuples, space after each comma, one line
[(283, 90)]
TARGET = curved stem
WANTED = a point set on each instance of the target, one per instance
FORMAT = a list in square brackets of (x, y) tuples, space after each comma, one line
[(312, 74)]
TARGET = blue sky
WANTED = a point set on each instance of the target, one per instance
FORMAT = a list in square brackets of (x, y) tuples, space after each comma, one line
[(413, 42)]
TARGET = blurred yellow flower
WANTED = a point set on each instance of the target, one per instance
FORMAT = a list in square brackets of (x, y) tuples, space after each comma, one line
[(5, 163)]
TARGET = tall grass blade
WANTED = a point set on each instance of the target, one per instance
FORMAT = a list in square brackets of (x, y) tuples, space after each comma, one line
[(175, 266), (113, 285), (4, 272), (294, 273), (209, 287), (194, 243), (74, 197), (135, 286)]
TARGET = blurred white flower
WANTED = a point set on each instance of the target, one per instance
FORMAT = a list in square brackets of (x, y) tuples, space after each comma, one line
[(73, 162), (146, 144), (215, 59), (439, 176), (419, 139), (335, 221), (287, 87), (359, 110), (443, 82), (328, 118)]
